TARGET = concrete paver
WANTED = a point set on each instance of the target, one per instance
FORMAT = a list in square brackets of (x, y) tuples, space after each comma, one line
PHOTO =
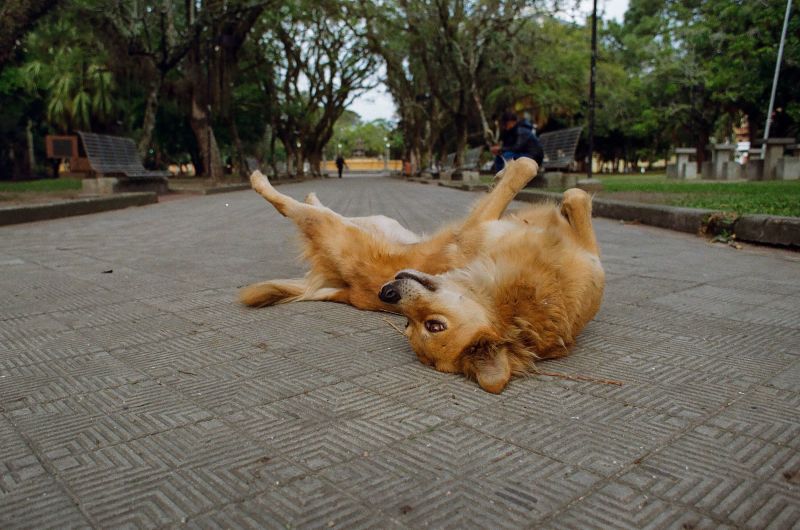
[(135, 391)]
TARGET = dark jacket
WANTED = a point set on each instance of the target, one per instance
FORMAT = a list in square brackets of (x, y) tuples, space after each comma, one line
[(522, 141)]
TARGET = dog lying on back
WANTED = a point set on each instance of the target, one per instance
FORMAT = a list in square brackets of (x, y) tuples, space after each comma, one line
[(485, 297)]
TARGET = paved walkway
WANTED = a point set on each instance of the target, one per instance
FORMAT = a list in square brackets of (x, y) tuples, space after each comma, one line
[(135, 392)]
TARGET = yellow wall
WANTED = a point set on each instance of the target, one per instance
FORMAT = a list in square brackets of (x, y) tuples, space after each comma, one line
[(363, 164)]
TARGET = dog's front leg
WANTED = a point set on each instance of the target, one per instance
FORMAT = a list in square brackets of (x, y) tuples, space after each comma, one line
[(576, 207), (515, 176)]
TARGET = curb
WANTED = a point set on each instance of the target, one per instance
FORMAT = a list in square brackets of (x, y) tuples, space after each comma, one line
[(43, 212), (28, 213), (764, 229), (771, 229)]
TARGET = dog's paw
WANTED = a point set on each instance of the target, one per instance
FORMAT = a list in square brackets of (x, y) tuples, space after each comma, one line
[(520, 171), (575, 200), (259, 182)]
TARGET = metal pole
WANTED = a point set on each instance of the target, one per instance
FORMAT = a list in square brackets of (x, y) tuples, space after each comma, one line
[(592, 81), (208, 110), (775, 78)]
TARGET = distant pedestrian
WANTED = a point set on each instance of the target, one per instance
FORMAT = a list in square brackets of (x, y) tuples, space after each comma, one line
[(340, 164), (518, 140)]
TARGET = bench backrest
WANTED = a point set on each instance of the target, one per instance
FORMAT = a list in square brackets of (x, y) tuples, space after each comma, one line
[(559, 147), (252, 164), (470, 160), (449, 161), (112, 154), (472, 157)]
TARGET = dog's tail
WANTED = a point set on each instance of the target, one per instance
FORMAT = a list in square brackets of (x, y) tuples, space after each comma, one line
[(272, 292)]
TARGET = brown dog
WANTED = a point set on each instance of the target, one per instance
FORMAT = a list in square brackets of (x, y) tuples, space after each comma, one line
[(485, 297)]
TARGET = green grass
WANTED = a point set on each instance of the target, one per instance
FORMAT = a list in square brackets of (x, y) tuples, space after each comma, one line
[(770, 197), (42, 186)]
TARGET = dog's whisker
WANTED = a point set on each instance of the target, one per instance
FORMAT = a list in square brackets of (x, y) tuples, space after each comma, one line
[(393, 326)]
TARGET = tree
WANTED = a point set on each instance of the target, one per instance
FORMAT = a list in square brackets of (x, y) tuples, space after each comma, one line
[(453, 41), (73, 78), (17, 18), (320, 61)]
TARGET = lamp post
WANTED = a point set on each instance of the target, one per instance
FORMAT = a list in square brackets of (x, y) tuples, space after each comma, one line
[(775, 77), (386, 155)]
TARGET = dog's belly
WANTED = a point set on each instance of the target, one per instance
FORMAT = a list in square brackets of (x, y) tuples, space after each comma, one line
[(386, 228), (496, 231)]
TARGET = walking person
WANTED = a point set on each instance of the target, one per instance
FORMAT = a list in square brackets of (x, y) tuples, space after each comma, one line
[(340, 164)]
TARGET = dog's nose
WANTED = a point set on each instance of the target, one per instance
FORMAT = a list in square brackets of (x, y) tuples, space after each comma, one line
[(389, 294)]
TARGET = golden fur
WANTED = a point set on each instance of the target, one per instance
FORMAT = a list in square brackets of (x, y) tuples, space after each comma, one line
[(485, 297)]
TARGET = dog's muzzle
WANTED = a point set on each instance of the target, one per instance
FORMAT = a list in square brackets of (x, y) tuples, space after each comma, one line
[(389, 294), (406, 282)]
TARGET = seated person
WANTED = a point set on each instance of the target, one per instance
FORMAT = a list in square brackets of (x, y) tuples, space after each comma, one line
[(518, 140)]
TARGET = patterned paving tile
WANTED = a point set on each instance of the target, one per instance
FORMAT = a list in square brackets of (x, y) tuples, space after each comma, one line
[(147, 397)]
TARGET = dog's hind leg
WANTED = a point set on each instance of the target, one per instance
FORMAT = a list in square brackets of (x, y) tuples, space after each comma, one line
[(283, 203), (576, 207), (282, 291), (515, 176), (312, 199)]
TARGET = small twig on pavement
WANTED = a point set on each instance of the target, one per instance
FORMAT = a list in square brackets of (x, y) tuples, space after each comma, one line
[(395, 327), (579, 378)]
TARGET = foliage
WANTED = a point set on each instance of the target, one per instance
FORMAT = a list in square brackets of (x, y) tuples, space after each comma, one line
[(73, 76), (208, 80), (371, 137)]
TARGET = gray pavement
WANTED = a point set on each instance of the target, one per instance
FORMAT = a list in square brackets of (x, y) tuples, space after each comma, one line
[(135, 392)]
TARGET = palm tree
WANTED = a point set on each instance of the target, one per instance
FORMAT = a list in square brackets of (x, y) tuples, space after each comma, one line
[(76, 84)]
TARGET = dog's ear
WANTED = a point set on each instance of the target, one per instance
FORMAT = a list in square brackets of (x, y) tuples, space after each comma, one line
[(486, 358)]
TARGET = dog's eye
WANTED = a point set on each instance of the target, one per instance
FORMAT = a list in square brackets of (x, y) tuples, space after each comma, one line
[(435, 326), (408, 323)]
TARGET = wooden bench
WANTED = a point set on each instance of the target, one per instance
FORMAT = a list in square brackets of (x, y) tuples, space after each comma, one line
[(559, 148)]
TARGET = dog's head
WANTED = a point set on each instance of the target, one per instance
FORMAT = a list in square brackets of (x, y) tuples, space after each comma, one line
[(450, 326)]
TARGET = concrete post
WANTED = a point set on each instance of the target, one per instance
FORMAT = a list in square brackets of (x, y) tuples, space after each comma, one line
[(686, 162), (773, 152), (721, 153)]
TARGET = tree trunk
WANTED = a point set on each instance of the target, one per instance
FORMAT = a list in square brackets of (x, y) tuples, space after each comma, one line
[(461, 139), (150, 110), (298, 162), (702, 143), (315, 160), (488, 135), (239, 157), (206, 141), (31, 154)]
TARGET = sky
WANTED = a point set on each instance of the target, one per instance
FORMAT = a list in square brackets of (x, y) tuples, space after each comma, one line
[(377, 103)]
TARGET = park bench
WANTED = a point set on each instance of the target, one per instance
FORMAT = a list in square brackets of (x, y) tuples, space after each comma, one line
[(469, 168), (114, 163), (107, 163), (115, 156), (559, 148)]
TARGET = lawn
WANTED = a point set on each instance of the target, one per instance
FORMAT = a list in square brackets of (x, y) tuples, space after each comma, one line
[(43, 186), (770, 197), (38, 191)]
